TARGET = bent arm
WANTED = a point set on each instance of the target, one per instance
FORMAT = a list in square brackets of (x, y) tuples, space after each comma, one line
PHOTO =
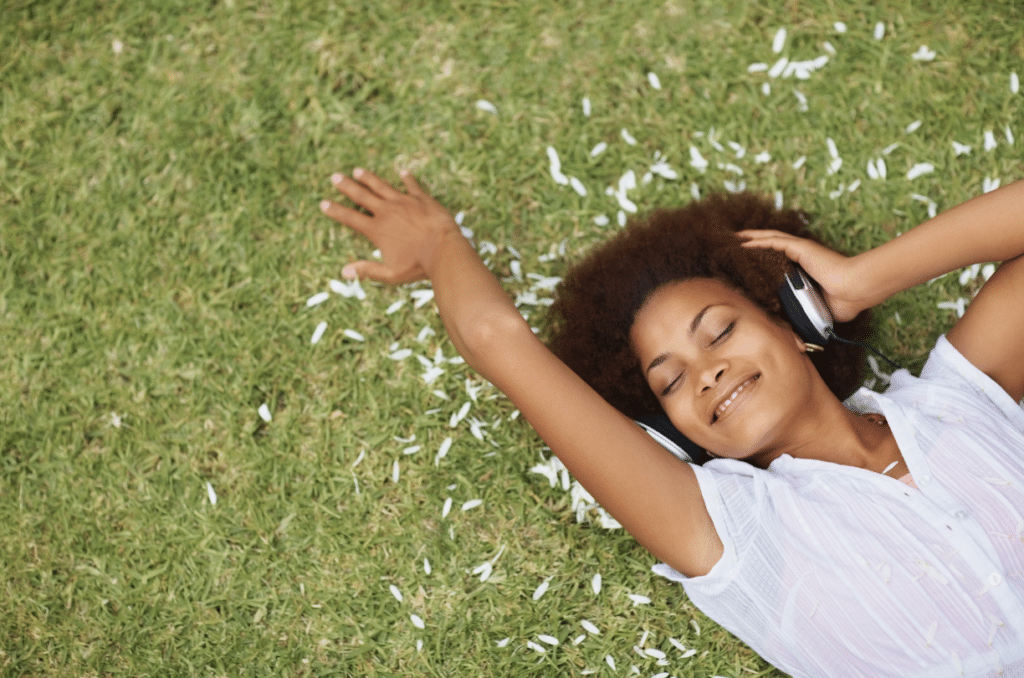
[(654, 496), (989, 227)]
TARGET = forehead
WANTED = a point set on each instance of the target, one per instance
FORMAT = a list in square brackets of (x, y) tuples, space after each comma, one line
[(676, 304)]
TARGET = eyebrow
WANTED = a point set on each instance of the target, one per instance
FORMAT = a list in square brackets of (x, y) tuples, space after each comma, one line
[(693, 328)]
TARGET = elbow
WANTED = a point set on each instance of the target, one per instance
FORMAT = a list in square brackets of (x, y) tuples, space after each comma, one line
[(490, 335)]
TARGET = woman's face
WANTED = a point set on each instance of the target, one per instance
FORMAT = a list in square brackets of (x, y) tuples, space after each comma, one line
[(727, 375)]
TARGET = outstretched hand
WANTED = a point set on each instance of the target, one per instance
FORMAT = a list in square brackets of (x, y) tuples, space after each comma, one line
[(834, 272), (407, 228)]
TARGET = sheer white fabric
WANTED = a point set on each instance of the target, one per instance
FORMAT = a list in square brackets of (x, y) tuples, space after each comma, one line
[(836, 571)]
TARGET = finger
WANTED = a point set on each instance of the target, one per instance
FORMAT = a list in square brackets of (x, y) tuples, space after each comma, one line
[(411, 185), (375, 183), (761, 234), (354, 219), (372, 270), (356, 191)]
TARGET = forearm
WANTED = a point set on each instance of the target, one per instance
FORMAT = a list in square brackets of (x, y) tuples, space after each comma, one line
[(987, 228), (472, 303)]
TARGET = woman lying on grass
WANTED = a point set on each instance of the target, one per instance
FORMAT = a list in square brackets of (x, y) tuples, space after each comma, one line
[(798, 536)]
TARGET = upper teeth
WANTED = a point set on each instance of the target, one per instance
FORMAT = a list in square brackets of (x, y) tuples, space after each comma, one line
[(728, 401)]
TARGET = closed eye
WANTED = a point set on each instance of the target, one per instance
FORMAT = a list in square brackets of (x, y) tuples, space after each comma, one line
[(669, 388), (724, 334)]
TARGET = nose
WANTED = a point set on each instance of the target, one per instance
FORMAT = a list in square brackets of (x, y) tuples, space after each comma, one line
[(710, 377)]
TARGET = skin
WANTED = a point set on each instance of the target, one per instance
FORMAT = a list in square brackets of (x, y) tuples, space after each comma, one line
[(786, 409)]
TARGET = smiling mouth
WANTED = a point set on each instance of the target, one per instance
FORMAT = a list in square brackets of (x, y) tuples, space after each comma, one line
[(724, 405)]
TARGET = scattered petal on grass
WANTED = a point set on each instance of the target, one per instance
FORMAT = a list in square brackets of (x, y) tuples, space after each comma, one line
[(1014, 83), (442, 451), (990, 140), (484, 569), (535, 647), (211, 494), (913, 127), (586, 107), (417, 621), (766, 89), (550, 640), (117, 46), (541, 590), (679, 646), (987, 270), (349, 289), (503, 642), (653, 652), (839, 26), (923, 53), (394, 471), (778, 67), (627, 137), (654, 80), (446, 508), (485, 105), (318, 298), (988, 184), (759, 67), (601, 220), (799, 162), (780, 41), (697, 160), (832, 149), (401, 354), (609, 661), (394, 307), (696, 626), (598, 149), (1009, 135), (961, 149), (589, 627), (426, 566), (639, 599), (413, 449), (353, 335), (890, 148), (396, 592), (829, 47), (422, 297), (919, 169), (472, 504), (556, 167), (879, 30), (579, 639), (801, 101), (264, 412), (689, 653), (318, 333), (595, 583), (578, 186)]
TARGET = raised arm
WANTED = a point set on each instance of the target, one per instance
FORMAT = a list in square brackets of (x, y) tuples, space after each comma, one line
[(989, 227), (653, 495)]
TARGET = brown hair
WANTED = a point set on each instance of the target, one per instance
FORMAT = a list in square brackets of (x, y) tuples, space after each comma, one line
[(599, 297)]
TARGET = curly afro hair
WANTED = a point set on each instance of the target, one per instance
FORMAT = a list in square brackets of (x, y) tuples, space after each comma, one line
[(598, 299)]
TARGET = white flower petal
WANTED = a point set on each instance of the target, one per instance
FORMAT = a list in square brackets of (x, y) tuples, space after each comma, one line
[(627, 137), (446, 508), (879, 30), (417, 621), (317, 298), (472, 504), (780, 41), (550, 640), (654, 80), (211, 494), (396, 592), (264, 412), (589, 627), (586, 106), (353, 335), (485, 105), (542, 589)]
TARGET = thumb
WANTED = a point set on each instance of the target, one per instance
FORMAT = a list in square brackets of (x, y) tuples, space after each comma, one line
[(374, 270)]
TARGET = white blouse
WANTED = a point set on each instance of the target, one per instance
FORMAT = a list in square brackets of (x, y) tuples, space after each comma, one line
[(831, 570)]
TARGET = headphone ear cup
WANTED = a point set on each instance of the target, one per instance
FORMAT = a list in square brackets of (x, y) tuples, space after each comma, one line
[(804, 308), (660, 427)]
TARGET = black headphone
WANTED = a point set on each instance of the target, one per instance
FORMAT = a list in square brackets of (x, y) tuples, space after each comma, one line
[(810, 317)]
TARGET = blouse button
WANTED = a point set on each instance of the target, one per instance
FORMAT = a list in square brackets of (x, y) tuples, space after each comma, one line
[(994, 579)]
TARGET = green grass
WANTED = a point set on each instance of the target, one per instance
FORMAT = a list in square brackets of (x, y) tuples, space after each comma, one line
[(159, 235)]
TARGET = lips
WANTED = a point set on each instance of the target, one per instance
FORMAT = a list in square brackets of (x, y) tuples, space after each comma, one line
[(734, 393)]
